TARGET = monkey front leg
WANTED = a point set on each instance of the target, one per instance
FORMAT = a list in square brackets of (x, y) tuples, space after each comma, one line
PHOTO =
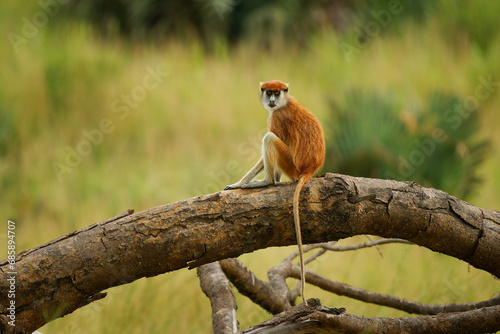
[(245, 181), (266, 163)]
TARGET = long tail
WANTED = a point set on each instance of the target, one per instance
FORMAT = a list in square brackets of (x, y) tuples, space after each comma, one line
[(296, 220)]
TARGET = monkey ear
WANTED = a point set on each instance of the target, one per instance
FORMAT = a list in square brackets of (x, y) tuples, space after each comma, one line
[(260, 86), (286, 84)]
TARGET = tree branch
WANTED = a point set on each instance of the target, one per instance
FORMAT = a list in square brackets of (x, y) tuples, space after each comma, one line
[(216, 286), (258, 291), (315, 318), (59, 277), (402, 304)]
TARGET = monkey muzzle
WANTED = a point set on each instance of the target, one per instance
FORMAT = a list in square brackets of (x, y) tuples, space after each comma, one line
[(272, 102)]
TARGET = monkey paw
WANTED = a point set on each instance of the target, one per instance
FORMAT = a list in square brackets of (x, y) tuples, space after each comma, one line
[(231, 187)]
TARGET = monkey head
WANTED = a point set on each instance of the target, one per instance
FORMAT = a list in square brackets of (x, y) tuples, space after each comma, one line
[(273, 95)]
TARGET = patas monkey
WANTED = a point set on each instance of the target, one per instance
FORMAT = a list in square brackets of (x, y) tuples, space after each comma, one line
[(294, 145)]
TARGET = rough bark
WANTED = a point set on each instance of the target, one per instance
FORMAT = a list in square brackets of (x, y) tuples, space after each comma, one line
[(260, 292), (216, 286), (65, 274), (315, 318)]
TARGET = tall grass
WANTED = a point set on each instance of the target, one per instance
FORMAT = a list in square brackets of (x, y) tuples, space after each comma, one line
[(177, 140)]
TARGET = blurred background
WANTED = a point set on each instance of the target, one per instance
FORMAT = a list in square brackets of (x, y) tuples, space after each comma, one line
[(111, 105)]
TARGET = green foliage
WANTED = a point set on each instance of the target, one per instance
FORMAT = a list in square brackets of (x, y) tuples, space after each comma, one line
[(433, 142), (7, 118), (410, 10), (267, 22), (474, 22)]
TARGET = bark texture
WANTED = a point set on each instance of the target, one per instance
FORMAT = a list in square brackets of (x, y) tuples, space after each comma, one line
[(216, 286), (315, 318), (65, 274)]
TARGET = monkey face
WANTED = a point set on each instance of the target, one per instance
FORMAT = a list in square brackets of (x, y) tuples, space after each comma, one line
[(273, 95)]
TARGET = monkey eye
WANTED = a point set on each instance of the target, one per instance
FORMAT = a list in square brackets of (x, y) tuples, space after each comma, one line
[(277, 93), (269, 93)]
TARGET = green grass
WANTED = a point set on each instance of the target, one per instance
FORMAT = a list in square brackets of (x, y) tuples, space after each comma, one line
[(177, 142)]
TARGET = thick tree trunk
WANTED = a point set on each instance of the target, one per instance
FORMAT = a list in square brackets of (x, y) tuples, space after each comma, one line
[(65, 274)]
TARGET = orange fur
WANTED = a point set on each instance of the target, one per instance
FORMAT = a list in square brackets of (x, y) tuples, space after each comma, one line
[(303, 136), (274, 85)]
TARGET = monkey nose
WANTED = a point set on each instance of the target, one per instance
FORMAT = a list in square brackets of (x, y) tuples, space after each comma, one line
[(272, 104)]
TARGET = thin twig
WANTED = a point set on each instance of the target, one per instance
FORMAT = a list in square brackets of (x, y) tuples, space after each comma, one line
[(331, 247), (367, 244), (376, 247)]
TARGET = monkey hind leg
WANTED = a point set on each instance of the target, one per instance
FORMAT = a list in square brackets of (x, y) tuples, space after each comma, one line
[(278, 158)]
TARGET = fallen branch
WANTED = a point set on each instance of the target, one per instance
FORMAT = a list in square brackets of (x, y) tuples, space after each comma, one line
[(315, 318), (63, 275)]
